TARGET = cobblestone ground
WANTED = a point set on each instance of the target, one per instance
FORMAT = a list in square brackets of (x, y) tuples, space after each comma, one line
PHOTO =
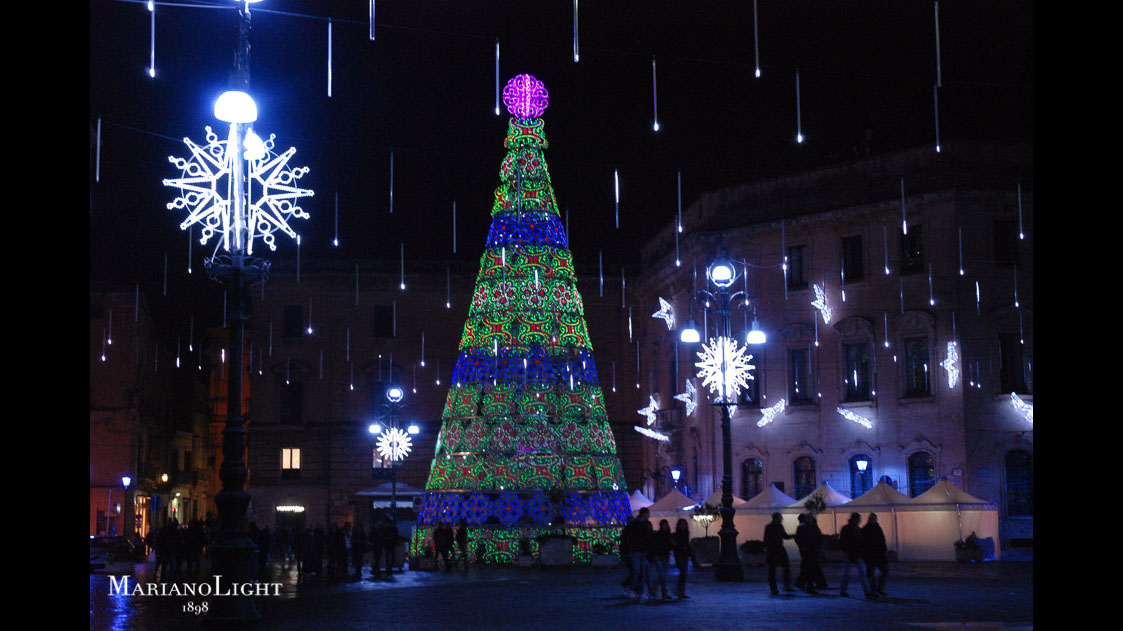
[(922, 596)]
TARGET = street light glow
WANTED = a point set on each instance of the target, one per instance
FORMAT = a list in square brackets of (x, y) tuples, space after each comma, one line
[(394, 394), (235, 106)]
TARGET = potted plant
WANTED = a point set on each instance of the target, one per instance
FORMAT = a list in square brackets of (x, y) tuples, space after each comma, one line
[(603, 556), (526, 557), (556, 549), (752, 552), (969, 550), (705, 548)]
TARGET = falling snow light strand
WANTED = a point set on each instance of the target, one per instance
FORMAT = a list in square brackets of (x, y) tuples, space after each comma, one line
[(654, 96), (335, 239), (1021, 231), (576, 48), (190, 238), (623, 288), (423, 349), (885, 326), (448, 287), (679, 214), (97, 154), (616, 188), (402, 283), (885, 246), (904, 218), (298, 258), (600, 263), (391, 181), (756, 42), (329, 58), (931, 297), (372, 20), (496, 75), (152, 40), (936, 110), (798, 114), (109, 330), (961, 272), (939, 76), (309, 315)]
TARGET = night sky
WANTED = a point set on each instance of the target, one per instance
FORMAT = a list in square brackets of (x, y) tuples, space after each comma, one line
[(426, 89)]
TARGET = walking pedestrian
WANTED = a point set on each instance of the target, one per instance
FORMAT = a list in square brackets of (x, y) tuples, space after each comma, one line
[(462, 542), (683, 553), (876, 554), (633, 544), (850, 540), (658, 556), (359, 547), (390, 539), (775, 555), (801, 537), (815, 553), (375, 541), (442, 540)]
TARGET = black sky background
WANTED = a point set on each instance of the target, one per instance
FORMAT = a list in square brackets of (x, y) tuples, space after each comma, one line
[(425, 88)]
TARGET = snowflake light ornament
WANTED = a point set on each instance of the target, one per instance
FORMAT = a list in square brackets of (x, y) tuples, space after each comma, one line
[(820, 303), (650, 410), (651, 433), (857, 418), (1023, 408), (724, 366), (951, 364), (690, 397), (206, 189), (394, 444), (666, 312), (770, 413)]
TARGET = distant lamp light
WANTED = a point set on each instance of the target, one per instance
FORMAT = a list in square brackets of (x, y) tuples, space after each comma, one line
[(690, 334), (126, 481), (756, 336), (235, 106), (413, 428), (676, 474), (164, 477), (374, 428), (394, 394), (862, 465)]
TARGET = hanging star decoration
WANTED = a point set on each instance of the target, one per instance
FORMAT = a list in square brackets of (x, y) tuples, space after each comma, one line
[(666, 312), (650, 410), (769, 413), (651, 433), (951, 364), (690, 397), (857, 418), (820, 303), (394, 444), (724, 362), (1023, 408), (205, 187)]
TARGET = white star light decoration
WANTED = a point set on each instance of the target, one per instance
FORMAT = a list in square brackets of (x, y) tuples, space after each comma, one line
[(951, 364), (820, 303), (724, 362), (651, 433), (667, 312), (650, 410), (394, 444), (1023, 408), (205, 189), (770, 413), (690, 397), (857, 418)]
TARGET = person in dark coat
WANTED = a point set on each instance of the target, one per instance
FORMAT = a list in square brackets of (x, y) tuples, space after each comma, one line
[(801, 536), (815, 576), (775, 555), (850, 540), (462, 542), (443, 539), (875, 553), (374, 539), (658, 556), (390, 539), (683, 553), (359, 546), (633, 547)]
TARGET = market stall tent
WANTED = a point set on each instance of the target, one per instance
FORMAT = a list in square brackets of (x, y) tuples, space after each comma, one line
[(886, 501), (933, 521), (638, 500)]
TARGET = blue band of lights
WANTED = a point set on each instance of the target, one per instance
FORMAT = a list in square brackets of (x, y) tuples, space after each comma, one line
[(480, 366), (526, 228), (607, 508)]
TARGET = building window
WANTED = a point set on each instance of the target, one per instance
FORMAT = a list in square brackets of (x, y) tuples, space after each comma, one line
[(752, 478), (290, 463), (1012, 377), (383, 321), (292, 401), (853, 259), (804, 474), (861, 475), (1019, 484), (857, 376), (797, 267), (912, 252), (293, 321), (799, 376), (922, 473), (916, 367), (1006, 243)]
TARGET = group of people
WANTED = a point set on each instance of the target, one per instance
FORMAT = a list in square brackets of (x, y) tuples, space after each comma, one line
[(646, 552), (443, 540), (863, 547), (179, 549)]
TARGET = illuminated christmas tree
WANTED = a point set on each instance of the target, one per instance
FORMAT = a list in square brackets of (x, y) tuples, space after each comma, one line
[(525, 447)]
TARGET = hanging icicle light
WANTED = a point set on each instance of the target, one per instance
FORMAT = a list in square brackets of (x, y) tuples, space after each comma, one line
[(576, 51), (904, 217), (423, 349), (885, 246), (190, 238), (678, 216), (372, 20), (798, 112), (931, 296), (936, 109), (756, 42), (939, 76), (152, 40), (335, 239), (616, 188), (402, 283), (654, 96), (496, 76), (329, 58), (448, 287), (977, 310), (600, 263), (1021, 230), (309, 315), (885, 326), (961, 270), (103, 345)]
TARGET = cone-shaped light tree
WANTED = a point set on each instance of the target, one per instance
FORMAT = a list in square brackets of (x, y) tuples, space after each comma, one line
[(525, 448)]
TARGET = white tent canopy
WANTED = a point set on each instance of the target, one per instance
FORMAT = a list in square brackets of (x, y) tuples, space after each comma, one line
[(672, 502), (769, 498), (715, 500), (944, 492), (827, 492), (880, 495), (638, 500)]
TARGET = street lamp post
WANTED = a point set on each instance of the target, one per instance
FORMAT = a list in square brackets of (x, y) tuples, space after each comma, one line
[(393, 444), (722, 273)]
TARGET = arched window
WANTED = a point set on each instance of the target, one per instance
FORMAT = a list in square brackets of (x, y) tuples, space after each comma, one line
[(1019, 484), (922, 473), (861, 475), (804, 474), (752, 473)]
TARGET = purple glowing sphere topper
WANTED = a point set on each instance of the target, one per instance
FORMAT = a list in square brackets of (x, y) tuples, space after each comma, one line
[(525, 96)]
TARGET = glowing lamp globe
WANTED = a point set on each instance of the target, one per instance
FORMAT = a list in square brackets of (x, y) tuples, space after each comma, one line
[(862, 464), (676, 474), (235, 106), (721, 273), (525, 97), (394, 394), (374, 428), (126, 481), (690, 334), (756, 336), (414, 429)]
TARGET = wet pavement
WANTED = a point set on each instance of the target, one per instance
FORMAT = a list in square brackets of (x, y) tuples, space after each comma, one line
[(922, 596)]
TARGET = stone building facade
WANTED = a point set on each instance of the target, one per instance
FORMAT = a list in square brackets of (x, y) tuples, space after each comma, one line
[(962, 274)]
